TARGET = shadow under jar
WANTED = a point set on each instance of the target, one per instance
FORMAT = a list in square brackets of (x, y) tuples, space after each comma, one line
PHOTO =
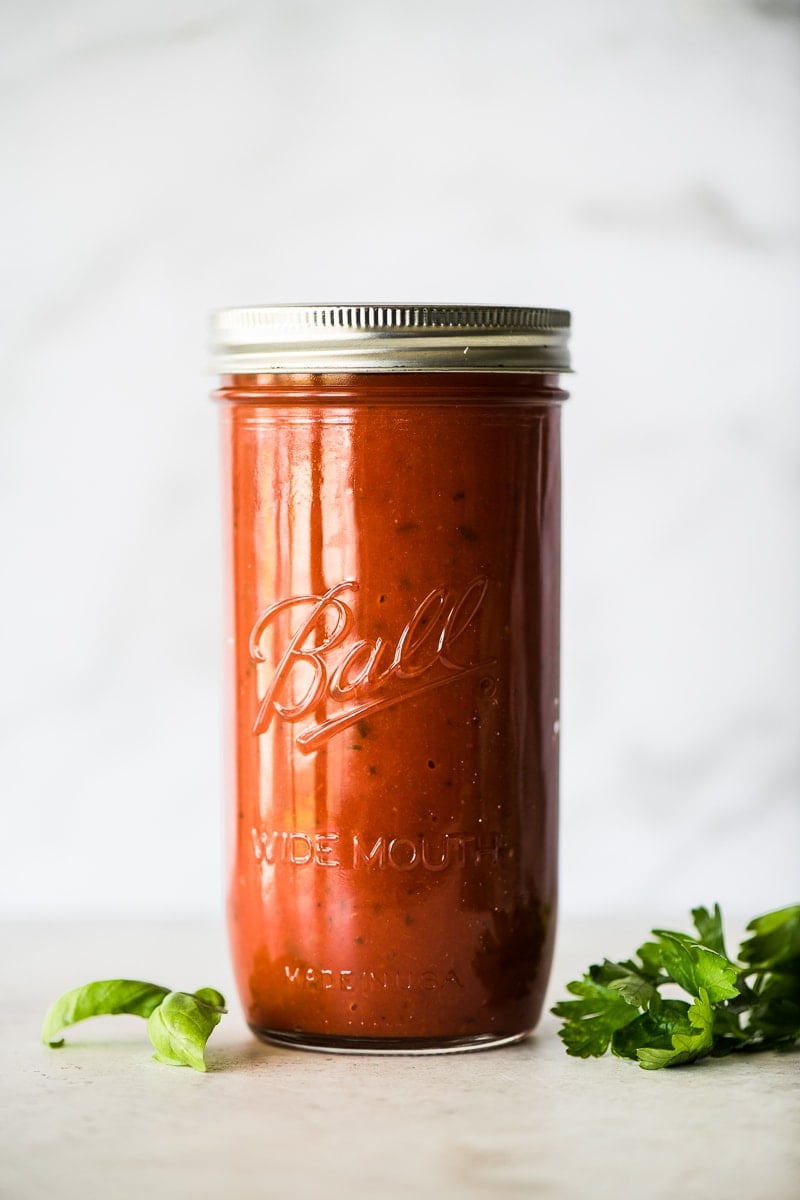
[(392, 514)]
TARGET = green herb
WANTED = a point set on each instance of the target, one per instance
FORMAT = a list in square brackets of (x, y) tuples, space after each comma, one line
[(744, 1006), (180, 1027), (178, 1023)]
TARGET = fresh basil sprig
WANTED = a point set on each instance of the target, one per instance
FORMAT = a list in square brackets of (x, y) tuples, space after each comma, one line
[(744, 1006), (178, 1023)]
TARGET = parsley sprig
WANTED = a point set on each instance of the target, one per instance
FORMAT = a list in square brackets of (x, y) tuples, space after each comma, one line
[(744, 1006)]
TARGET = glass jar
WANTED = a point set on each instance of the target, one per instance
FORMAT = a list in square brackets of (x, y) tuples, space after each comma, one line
[(392, 500)]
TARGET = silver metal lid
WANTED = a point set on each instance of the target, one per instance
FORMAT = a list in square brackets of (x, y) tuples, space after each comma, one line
[(344, 338)]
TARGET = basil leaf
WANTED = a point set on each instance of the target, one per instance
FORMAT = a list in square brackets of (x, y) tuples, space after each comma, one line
[(181, 1025), (211, 996), (106, 996)]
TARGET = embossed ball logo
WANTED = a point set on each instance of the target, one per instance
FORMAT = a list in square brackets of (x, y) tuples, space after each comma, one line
[(326, 667)]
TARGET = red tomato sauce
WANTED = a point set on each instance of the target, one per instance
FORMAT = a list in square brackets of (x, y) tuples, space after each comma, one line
[(394, 672)]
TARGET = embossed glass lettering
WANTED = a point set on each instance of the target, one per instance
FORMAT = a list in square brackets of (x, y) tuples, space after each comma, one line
[(359, 852), (369, 981), (363, 856), (357, 675)]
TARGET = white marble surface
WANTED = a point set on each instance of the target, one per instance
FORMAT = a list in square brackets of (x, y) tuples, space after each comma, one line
[(99, 1117), (636, 162)]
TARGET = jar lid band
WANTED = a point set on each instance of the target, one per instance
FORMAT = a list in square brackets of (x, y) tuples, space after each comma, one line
[(344, 338)]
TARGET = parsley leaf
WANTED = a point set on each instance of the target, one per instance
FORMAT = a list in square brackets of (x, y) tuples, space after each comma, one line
[(653, 1029), (709, 929), (775, 944), (772, 955), (745, 1006), (695, 967), (592, 1020), (688, 1044)]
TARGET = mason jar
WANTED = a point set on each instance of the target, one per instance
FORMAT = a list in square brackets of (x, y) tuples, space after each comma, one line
[(392, 517)]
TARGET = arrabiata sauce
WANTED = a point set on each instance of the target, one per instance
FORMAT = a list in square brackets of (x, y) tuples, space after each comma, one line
[(394, 662)]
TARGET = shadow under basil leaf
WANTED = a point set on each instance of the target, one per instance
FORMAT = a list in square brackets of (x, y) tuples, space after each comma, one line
[(242, 1055)]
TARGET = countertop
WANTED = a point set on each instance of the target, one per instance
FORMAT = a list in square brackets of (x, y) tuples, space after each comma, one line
[(100, 1118)]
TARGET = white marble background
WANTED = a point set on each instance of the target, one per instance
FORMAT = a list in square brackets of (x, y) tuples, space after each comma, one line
[(636, 162)]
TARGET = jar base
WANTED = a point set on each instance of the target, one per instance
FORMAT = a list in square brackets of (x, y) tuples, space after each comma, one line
[(328, 1044)]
